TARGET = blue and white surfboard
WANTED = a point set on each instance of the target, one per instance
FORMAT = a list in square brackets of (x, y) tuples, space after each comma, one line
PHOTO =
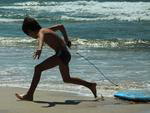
[(134, 95)]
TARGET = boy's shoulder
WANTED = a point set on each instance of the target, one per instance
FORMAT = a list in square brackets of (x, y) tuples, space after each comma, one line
[(45, 31)]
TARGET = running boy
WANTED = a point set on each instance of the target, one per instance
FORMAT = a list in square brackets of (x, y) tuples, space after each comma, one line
[(61, 58)]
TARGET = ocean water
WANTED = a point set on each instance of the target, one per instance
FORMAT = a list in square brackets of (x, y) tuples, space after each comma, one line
[(112, 34)]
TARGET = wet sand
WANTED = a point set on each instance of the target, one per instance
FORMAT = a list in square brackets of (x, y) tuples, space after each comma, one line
[(62, 102)]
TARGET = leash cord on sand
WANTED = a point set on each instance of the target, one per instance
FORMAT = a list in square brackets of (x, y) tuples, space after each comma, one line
[(98, 69)]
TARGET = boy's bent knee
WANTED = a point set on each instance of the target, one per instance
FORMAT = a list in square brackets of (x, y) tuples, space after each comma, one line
[(38, 68), (67, 80)]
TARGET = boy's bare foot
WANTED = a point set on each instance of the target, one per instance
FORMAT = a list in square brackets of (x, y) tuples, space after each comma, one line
[(100, 98), (93, 89), (24, 97)]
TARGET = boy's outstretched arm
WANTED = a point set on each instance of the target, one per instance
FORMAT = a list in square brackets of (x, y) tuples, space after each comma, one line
[(63, 31), (37, 54)]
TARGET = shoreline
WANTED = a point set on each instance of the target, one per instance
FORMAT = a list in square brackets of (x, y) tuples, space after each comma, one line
[(55, 102)]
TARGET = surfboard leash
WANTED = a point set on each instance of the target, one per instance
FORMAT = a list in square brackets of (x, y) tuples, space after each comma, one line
[(97, 69)]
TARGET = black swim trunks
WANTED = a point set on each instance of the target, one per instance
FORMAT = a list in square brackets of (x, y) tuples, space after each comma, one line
[(64, 55)]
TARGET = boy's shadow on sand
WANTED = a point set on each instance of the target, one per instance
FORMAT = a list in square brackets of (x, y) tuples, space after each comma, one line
[(67, 102)]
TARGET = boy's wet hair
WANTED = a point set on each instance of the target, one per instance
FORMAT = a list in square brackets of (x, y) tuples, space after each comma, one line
[(30, 24)]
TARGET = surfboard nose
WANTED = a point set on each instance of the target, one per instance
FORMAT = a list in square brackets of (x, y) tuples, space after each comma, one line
[(134, 95)]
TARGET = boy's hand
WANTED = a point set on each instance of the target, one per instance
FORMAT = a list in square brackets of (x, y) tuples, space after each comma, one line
[(68, 43), (37, 54)]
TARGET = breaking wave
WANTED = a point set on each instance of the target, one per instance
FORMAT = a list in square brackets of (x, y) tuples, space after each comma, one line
[(80, 10), (99, 43)]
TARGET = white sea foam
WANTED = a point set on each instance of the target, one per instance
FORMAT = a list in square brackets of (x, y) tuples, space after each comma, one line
[(114, 43), (15, 41), (10, 20), (102, 89), (30, 3)]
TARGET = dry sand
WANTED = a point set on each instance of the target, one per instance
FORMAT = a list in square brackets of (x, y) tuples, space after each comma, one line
[(62, 102)]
